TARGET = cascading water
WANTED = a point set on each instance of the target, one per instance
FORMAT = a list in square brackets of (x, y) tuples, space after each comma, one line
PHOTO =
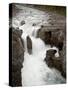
[(35, 71)]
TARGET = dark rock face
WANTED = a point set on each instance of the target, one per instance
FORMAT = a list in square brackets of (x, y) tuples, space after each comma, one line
[(62, 54), (49, 57), (44, 35), (57, 39), (55, 62), (29, 45), (54, 38), (17, 57)]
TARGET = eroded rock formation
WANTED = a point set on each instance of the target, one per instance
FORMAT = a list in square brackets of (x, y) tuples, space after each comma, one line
[(55, 62), (17, 57)]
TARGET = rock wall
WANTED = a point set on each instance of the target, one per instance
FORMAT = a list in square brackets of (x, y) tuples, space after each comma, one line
[(17, 56)]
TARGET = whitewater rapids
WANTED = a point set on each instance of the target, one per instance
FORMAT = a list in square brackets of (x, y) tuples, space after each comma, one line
[(35, 71)]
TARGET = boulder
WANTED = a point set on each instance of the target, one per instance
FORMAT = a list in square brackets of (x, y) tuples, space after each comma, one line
[(29, 45), (22, 23), (18, 32), (49, 57)]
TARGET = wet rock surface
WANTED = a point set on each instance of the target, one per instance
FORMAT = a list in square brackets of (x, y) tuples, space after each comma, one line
[(29, 45), (17, 56), (55, 62), (44, 35)]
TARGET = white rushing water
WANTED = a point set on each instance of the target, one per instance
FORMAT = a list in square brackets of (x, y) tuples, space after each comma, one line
[(35, 71)]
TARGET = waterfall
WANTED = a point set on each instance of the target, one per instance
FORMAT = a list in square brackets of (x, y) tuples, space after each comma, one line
[(35, 71)]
